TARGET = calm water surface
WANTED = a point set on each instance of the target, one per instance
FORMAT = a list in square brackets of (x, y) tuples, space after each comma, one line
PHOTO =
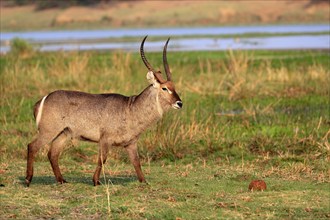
[(192, 38)]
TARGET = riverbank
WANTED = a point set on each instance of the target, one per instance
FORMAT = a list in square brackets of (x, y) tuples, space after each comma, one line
[(130, 14)]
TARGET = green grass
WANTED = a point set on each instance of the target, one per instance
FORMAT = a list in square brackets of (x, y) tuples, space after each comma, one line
[(198, 190), (247, 115)]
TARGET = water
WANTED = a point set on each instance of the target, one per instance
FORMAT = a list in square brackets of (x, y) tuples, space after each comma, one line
[(192, 38)]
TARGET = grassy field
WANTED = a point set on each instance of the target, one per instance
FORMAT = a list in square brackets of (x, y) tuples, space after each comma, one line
[(247, 115), (126, 14)]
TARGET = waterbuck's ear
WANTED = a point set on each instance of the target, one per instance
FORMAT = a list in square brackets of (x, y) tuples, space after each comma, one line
[(152, 79)]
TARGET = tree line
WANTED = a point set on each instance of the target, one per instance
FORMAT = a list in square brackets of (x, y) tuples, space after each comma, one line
[(46, 4)]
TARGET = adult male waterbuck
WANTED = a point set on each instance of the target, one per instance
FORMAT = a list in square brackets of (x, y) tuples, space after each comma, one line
[(107, 119)]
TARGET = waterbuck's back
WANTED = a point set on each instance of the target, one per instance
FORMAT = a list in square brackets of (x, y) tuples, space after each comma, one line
[(85, 115)]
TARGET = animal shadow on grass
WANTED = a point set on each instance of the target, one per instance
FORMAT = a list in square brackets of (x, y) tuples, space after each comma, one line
[(113, 180)]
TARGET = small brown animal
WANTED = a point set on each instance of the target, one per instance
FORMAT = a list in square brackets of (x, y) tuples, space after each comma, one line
[(257, 185), (106, 119)]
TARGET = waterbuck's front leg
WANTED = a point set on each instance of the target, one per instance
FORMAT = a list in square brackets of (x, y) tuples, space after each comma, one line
[(134, 157), (103, 154)]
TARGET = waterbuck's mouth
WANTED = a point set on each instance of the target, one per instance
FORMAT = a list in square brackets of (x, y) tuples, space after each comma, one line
[(177, 105)]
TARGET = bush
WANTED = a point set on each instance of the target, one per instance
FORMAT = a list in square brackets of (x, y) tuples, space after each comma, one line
[(20, 47)]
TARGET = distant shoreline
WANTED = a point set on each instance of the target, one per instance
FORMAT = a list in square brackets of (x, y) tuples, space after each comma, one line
[(136, 14)]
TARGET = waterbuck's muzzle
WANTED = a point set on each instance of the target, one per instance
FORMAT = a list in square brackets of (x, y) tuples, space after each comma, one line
[(177, 105)]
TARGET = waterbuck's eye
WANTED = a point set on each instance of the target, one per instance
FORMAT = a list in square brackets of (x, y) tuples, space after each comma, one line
[(164, 89)]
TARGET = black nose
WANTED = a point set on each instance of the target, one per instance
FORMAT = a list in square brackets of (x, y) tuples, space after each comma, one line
[(179, 103)]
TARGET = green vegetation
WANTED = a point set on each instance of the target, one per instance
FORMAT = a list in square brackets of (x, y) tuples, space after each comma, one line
[(20, 47), (247, 115)]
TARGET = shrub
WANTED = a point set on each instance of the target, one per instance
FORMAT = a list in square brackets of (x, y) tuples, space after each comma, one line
[(20, 47)]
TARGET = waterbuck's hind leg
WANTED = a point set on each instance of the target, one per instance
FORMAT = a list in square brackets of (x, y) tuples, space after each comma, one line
[(135, 160), (103, 153), (54, 152), (32, 150)]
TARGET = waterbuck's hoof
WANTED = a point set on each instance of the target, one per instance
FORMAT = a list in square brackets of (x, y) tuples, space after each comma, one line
[(27, 182), (97, 182), (145, 183), (61, 181)]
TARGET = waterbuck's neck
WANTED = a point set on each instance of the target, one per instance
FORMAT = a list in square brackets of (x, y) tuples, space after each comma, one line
[(145, 108)]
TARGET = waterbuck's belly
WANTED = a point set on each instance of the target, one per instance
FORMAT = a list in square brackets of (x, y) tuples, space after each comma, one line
[(113, 140), (117, 137), (86, 136), (121, 138)]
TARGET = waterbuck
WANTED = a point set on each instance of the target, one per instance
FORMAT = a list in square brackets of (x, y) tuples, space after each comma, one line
[(106, 119)]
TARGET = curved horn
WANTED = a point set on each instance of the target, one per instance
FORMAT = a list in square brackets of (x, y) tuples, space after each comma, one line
[(144, 59), (167, 68)]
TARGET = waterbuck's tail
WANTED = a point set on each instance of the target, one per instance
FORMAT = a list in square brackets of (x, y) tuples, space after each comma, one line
[(37, 110)]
